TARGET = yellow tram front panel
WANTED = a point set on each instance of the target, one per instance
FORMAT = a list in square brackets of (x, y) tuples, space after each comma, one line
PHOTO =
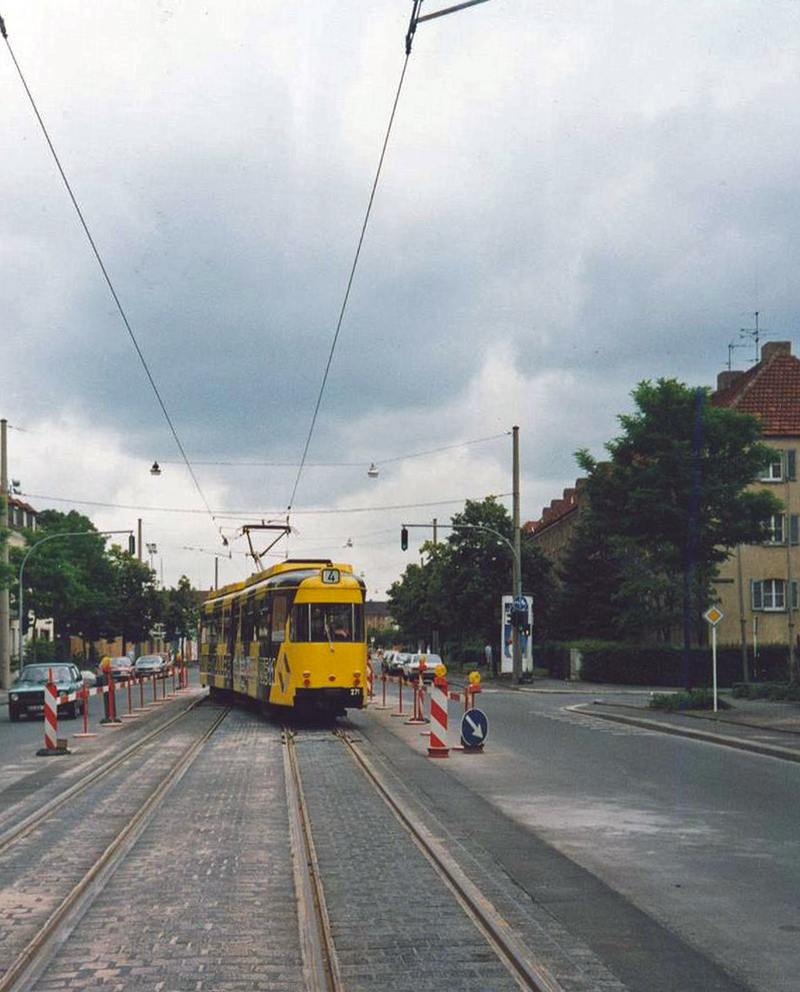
[(324, 653)]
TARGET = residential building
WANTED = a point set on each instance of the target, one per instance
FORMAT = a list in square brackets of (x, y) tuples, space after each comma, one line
[(554, 530), (757, 588), (22, 516)]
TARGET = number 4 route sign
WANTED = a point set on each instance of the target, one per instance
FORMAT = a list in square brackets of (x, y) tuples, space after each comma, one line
[(474, 727)]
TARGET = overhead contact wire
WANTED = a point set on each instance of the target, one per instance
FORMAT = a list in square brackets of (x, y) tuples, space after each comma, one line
[(349, 285), (106, 276)]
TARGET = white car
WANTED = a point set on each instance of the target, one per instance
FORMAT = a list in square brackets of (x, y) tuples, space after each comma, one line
[(150, 664), (413, 666)]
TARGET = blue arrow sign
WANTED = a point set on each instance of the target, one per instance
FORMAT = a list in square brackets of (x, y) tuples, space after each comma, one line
[(474, 728), (520, 603)]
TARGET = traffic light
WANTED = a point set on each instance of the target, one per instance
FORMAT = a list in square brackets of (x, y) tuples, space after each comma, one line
[(131, 544), (404, 538)]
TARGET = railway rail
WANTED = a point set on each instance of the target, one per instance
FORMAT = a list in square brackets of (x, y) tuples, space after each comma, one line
[(26, 958), (297, 843)]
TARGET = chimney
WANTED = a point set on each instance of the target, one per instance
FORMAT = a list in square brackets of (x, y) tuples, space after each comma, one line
[(773, 348), (726, 379)]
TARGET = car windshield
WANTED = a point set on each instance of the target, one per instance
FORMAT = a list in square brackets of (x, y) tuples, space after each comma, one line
[(41, 673)]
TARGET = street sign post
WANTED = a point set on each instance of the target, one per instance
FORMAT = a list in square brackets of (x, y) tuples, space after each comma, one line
[(712, 616)]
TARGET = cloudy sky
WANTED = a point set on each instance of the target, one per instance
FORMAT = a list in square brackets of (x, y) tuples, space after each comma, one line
[(576, 195)]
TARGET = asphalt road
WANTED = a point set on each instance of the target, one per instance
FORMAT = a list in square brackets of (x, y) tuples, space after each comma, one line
[(702, 838)]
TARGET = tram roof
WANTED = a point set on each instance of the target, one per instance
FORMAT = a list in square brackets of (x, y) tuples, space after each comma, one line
[(286, 574)]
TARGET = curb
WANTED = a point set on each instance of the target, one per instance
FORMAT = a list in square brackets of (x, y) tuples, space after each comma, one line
[(739, 743)]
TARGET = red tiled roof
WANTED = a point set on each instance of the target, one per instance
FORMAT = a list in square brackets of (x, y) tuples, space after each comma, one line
[(558, 509), (771, 391)]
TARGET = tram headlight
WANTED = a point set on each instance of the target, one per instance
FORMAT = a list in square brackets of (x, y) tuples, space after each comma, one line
[(14, 697)]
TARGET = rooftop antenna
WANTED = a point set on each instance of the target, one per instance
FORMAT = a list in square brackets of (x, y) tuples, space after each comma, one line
[(731, 346), (755, 334)]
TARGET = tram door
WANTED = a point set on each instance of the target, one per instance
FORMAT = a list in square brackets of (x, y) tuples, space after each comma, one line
[(278, 663)]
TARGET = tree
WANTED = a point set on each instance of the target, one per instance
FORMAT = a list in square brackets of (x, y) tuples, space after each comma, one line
[(458, 589), (134, 601), (66, 578), (180, 612), (675, 499)]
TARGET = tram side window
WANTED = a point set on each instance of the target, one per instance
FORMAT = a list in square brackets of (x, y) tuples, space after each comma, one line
[(280, 608), (211, 632), (262, 621), (248, 623), (299, 626)]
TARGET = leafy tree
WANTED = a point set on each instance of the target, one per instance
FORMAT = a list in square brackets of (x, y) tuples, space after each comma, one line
[(458, 589), (66, 577), (180, 611), (674, 500), (135, 604)]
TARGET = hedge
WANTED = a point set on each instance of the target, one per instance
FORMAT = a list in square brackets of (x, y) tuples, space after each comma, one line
[(662, 665)]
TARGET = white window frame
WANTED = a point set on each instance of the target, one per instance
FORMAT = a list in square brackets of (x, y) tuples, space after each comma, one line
[(777, 529), (769, 595)]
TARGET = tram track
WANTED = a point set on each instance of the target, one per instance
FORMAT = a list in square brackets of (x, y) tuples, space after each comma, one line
[(42, 947), (500, 935), (92, 775), (320, 954)]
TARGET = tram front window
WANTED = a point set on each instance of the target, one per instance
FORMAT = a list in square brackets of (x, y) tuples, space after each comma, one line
[(326, 623)]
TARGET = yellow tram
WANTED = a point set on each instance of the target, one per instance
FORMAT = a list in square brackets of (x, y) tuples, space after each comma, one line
[(291, 636)]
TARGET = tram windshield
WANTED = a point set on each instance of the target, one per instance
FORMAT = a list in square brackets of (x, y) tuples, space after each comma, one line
[(327, 622)]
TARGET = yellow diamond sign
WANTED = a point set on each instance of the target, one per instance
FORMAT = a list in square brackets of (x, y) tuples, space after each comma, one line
[(713, 615)]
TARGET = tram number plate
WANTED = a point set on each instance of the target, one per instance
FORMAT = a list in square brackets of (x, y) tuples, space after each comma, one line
[(330, 576)]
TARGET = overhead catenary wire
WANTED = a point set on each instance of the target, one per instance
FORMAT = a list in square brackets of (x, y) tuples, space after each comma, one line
[(106, 276), (250, 514), (349, 286)]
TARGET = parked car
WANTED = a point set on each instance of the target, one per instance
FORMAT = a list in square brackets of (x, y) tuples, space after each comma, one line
[(150, 664), (121, 669), (26, 695), (413, 667), (392, 663)]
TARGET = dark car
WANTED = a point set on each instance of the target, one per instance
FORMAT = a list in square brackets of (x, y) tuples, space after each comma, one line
[(26, 695)]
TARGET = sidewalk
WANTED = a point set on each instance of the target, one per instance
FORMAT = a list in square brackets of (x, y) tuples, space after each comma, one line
[(759, 725)]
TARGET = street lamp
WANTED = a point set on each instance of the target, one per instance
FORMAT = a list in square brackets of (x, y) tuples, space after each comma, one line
[(31, 549), (152, 549)]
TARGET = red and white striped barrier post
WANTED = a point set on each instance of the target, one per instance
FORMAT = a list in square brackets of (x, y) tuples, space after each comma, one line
[(382, 705), (437, 747), (51, 742), (370, 681), (418, 716), (399, 696), (84, 694)]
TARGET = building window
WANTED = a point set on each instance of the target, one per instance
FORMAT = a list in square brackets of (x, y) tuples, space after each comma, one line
[(769, 595), (782, 465), (775, 533)]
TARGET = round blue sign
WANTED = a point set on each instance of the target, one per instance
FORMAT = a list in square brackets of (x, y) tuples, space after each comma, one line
[(474, 728)]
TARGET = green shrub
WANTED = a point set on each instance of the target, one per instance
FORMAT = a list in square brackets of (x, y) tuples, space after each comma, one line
[(767, 690), (697, 699)]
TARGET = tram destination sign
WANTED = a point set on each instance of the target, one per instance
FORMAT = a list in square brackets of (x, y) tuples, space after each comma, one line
[(331, 576)]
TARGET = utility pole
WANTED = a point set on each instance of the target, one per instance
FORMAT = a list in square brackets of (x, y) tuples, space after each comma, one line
[(5, 626), (516, 644)]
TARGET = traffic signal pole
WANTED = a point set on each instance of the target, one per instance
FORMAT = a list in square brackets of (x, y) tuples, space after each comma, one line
[(516, 642)]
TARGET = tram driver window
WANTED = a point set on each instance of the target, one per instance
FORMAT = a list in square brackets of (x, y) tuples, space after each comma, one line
[(331, 622)]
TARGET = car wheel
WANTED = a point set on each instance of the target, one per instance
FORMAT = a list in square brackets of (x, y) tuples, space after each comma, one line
[(13, 713)]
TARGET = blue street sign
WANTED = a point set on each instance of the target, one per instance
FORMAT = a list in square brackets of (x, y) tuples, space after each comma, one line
[(520, 603), (474, 727)]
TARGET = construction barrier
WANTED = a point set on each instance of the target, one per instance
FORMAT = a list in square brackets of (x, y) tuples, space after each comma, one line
[(437, 747), (52, 745)]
